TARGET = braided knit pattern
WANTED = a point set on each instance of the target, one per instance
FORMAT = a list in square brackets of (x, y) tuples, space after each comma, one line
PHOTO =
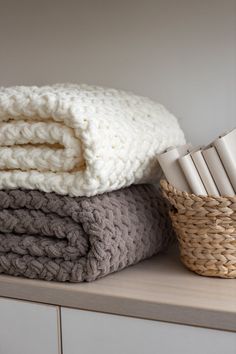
[(53, 237), (81, 140)]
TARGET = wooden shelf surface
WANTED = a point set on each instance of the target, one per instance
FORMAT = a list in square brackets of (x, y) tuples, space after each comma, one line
[(158, 289)]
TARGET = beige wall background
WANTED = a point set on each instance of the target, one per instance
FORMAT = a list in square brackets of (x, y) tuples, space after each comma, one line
[(181, 53)]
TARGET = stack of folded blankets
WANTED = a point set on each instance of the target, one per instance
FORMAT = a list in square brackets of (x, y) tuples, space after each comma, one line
[(76, 167)]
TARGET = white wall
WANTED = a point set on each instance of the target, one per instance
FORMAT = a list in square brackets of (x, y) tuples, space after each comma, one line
[(179, 52)]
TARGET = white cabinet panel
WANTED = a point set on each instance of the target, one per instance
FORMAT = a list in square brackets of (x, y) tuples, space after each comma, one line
[(87, 332), (28, 328)]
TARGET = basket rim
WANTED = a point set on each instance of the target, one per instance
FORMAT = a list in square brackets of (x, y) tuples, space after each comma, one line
[(167, 187)]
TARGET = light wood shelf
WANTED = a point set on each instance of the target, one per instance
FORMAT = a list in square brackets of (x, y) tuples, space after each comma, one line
[(157, 289)]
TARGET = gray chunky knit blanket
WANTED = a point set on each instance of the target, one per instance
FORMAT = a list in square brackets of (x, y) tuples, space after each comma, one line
[(53, 237)]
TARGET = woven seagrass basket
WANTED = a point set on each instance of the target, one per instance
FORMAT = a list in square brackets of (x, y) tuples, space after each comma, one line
[(206, 230)]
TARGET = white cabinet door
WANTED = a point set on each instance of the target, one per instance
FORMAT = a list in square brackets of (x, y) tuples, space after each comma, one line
[(85, 332), (28, 328)]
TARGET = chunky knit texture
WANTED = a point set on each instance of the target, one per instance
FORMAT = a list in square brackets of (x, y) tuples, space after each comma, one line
[(81, 140), (52, 237)]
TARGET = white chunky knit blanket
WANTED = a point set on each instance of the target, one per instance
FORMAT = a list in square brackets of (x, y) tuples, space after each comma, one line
[(81, 140)]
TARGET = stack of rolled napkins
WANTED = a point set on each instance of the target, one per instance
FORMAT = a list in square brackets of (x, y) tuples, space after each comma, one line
[(205, 171), (77, 165)]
